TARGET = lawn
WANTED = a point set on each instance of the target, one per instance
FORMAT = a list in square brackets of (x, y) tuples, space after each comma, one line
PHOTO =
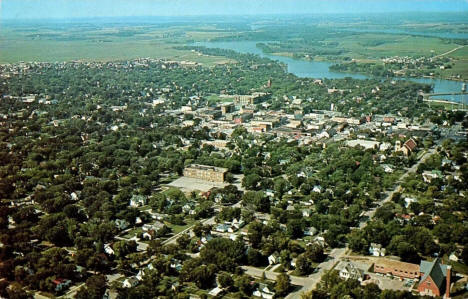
[(178, 228), (132, 233)]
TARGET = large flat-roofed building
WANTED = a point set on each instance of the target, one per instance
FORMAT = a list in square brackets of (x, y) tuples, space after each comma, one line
[(206, 173), (252, 99), (396, 268)]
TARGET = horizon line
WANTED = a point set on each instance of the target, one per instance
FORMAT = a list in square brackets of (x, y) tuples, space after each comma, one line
[(9, 19)]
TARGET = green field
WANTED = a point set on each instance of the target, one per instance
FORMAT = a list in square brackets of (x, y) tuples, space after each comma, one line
[(370, 46), (394, 45), (46, 45)]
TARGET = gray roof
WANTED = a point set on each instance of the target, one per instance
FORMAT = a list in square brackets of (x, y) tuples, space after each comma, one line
[(435, 270), (352, 270)]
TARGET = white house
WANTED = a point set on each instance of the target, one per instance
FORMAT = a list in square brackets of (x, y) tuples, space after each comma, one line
[(306, 212), (317, 189), (137, 201), (147, 236), (453, 257), (155, 226), (310, 231), (350, 271), (270, 193), (130, 282), (376, 250), (108, 249), (223, 228), (409, 201), (74, 196), (274, 259), (140, 275), (264, 292), (238, 224), (215, 292)]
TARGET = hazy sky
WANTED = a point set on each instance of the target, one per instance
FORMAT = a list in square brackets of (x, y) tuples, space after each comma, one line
[(33, 9)]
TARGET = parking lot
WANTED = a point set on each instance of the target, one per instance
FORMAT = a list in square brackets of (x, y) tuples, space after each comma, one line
[(191, 184), (394, 283)]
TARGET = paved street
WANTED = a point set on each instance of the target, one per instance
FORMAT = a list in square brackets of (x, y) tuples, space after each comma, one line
[(310, 282), (370, 214), (307, 283), (209, 221)]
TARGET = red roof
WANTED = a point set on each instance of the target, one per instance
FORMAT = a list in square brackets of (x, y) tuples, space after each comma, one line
[(58, 280), (410, 144)]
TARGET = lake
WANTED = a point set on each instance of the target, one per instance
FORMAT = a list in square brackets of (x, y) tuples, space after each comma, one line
[(321, 69)]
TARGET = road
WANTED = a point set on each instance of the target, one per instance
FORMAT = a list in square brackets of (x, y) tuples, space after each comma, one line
[(448, 52), (310, 282), (72, 291), (209, 221), (307, 283), (370, 214)]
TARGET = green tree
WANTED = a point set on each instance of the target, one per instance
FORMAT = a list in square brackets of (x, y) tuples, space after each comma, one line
[(283, 284), (225, 280)]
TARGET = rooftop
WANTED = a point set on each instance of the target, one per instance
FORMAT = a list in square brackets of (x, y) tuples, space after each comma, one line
[(388, 263), (207, 167)]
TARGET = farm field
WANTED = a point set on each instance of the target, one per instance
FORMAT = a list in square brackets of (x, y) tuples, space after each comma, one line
[(106, 44)]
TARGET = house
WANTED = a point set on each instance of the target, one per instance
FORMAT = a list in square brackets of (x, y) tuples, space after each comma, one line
[(317, 189), (376, 250), (350, 271), (207, 238), (223, 228), (408, 147), (108, 249), (130, 282), (61, 284), (306, 212), (409, 201), (140, 275), (310, 231), (387, 168), (428, 176), (152, 227), (274, 259), (396, 268), (216, 292), (74, 196), (137, 201), (434, 274), (454, 257), (149, 235), (177, 266), (367, 144), (403, 218), (320, 241), (238, 224), (121, 224), (269, 193), (263, 292)]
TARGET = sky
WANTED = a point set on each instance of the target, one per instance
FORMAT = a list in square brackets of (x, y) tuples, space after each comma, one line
[(52, 9)]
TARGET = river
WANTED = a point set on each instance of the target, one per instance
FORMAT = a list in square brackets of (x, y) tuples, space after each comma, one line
[(321, 69)]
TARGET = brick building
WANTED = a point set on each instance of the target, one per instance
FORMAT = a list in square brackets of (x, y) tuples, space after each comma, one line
[(434, 274), (206, 173), (252, 99), (396, 268)]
